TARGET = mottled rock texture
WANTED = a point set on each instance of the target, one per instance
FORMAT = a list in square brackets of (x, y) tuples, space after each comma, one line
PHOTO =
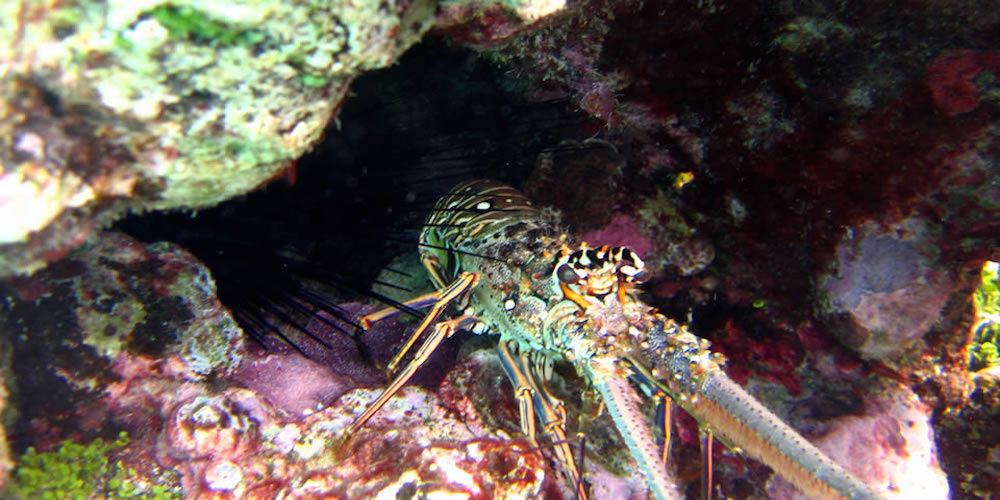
[(115, 106)]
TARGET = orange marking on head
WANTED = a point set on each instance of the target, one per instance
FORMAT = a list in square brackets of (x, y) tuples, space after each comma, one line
[(570, 294), (622, 292)]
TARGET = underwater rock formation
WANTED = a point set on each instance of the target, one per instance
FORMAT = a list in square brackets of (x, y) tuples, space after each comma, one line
[(891, 443), (580, 179), (115, 298), (744, 141), (955, 82), (6, 462), (116, 106), (888, 286), (970, 440)]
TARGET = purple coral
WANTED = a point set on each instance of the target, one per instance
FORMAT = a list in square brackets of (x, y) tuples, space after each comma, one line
[(623, 230)]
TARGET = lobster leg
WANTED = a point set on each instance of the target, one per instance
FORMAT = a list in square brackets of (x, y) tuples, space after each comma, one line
[(550, 412), (425, 300), (664, 408), (458, 289), (554, 421), (522, 391), (441, 331), (706, 465)]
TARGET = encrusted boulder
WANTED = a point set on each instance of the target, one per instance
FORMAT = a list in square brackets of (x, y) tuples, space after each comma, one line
[(111, 107)]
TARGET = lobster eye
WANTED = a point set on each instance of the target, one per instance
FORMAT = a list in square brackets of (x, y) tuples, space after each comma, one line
[(567, 275), (633, 273), (641, 276)]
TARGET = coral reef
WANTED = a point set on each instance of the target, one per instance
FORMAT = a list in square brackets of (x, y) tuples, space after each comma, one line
[(957, 79), (621, 230), (580, 180), (179, 104), (6, 463), (970, 440), (676, 242), (814, 184), (235, 442), (118, 106), (116, 298)]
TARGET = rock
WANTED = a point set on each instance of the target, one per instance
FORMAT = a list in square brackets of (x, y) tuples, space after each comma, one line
[(115, 337), (116, 106), (891, 447), (887, 287)]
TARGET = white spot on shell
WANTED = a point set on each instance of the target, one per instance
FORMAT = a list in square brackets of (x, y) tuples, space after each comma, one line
[(629, 270), (483, 205)]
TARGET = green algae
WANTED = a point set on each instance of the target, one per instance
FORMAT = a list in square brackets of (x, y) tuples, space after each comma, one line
[(172, 72), (83, 471), (662, 213), (188, 22), (805, 34), (984, 353)]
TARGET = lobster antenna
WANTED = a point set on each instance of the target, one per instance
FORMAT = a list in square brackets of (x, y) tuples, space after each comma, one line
[(581, 462), (463, 252)]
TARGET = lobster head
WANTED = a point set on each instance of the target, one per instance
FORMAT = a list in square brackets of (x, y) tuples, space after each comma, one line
[(596, 272)]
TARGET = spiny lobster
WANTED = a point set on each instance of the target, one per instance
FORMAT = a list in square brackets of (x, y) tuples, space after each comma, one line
[(512, 273)]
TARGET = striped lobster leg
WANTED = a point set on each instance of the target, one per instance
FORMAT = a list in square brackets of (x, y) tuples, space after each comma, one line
[(534, 400), (439, 332)]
